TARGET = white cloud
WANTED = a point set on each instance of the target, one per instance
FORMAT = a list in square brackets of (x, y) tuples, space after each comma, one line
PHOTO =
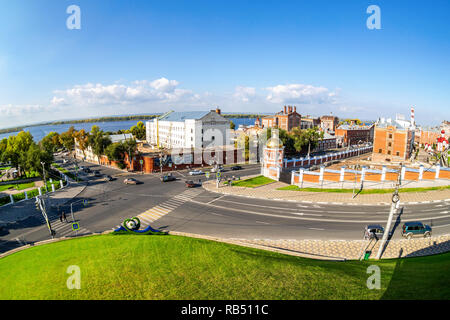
[(300, 94), (10, 110), (244, 94), (159, 90)]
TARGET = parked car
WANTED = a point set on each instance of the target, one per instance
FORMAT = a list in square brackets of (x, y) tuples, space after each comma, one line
[(97, 173), (108, 178), (417, 228), (87, 170), (130, 181), (195, 172), (192, 184), (236, 168), (373, 231), (167, 177)]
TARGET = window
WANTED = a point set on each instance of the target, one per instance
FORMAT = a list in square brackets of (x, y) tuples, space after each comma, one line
[(390, 135), (390, 144), (398, 153), (389, 151), (380, 151)]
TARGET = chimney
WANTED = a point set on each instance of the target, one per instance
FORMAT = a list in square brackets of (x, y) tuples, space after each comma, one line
[(295, 109), (290, 109), (285, 109), (218, 111)]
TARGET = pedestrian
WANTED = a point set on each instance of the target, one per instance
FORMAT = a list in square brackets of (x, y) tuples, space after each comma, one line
[(60, 217), (64, 217)]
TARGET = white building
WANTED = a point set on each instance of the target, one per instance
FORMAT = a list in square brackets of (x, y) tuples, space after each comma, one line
[(190, 129)]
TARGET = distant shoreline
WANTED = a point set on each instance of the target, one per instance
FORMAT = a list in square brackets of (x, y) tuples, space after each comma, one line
[(109, 119)]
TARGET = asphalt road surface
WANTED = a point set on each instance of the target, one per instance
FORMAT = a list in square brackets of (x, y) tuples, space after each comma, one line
[(104, 205)]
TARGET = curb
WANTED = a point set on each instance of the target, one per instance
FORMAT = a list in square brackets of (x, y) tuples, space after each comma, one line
[(324, 202)]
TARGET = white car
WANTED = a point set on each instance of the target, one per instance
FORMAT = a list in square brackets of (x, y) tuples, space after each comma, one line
[(195, 172)]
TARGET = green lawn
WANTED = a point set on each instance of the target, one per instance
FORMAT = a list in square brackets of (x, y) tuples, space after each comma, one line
[(252, 182), (365, 191), (173, 267), (19, 186)]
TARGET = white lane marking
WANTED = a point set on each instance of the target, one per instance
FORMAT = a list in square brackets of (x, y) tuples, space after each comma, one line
[(444, 225), (319, 229), (306, 214), (262, 222), (216, 199), (313, 219), (269, 207)]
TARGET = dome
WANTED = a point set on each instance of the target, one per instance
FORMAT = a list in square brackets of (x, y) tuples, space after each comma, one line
[(274, 143)]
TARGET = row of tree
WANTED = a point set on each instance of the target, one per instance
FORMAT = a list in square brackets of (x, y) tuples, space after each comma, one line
[(297, 141), (25, 155)]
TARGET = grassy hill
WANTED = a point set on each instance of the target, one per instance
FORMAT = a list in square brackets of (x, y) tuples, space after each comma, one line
[(173, 267)]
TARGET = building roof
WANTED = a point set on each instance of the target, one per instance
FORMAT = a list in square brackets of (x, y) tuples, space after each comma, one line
[(120, 137), (183, 115), (354, 127)]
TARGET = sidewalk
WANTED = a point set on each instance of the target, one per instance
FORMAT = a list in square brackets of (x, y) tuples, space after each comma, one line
[(270, 192), (25, 209)]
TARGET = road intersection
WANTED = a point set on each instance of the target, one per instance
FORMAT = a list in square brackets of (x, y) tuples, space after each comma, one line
[(170, 206)]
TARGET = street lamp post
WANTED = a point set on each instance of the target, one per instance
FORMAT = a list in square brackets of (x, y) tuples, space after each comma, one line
[(43, 171)]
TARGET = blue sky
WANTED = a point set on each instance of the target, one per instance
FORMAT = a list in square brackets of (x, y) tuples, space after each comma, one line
[(244, 56)]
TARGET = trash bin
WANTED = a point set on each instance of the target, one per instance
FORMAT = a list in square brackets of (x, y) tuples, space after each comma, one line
[(367, 255)]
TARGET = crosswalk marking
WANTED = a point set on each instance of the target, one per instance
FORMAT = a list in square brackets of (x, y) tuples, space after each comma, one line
[(151, 215), (63, 228)]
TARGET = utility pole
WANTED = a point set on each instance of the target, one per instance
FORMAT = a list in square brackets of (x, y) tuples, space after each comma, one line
[(394, 205), (43, 171), (40, 203)]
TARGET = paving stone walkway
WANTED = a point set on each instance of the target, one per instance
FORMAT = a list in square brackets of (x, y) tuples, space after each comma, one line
[(355, 249), (270, 191)]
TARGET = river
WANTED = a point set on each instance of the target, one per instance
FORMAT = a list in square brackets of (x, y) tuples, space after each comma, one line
[(38, 132)]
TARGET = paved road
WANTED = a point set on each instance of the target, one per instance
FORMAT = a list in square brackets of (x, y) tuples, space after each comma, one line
[(172, 206)]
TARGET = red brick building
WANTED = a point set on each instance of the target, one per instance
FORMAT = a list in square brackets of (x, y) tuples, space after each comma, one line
[(392, 143), (352, 135), (286, 119)]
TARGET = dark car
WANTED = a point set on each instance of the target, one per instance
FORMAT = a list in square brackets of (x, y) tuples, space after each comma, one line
[(417, 228), (108, 178), (97, 173), (192, 184), (87, 170), (167, 177), (236, 168)]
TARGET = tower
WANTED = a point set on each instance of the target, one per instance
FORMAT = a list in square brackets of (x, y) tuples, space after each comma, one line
[(273, 157)]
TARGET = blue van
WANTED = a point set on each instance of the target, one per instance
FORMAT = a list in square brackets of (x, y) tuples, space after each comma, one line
[(411, 229)]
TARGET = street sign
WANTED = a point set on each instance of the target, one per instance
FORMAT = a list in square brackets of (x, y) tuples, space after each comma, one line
[(75, 226), (207, 174), (85, 202), (141, 162)]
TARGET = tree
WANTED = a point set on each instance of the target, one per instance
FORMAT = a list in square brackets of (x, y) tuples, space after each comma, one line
[(115, 151), (67, 139), (138, 131), (51, 142), (98, 141), (15, 147), (83, 140), (307, 139), (3, 145), (232, 125), (33, 158)]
